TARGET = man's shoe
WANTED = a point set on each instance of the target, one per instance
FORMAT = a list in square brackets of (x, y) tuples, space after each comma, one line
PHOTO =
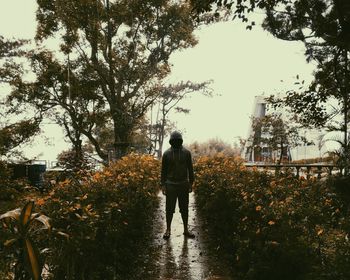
[(189, 234), (166, 235)]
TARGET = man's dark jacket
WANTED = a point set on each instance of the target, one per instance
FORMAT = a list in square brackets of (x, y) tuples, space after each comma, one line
[(177, 167)]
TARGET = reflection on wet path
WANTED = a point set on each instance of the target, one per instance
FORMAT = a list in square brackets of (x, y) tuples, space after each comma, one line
[(180, 258), (175, 263)]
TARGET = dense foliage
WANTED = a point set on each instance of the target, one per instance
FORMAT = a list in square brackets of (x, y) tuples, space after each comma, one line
[(267, 227), (273, 227), (10, 189), (98, 220)]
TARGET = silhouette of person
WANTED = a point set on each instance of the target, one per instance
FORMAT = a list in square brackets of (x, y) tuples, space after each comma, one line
[(176, 180)]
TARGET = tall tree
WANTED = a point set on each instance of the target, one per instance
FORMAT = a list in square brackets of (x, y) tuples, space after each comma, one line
[(276, 135), (168, 100), (112, 54)]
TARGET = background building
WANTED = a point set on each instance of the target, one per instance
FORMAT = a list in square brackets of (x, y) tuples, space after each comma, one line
[(260, 152)]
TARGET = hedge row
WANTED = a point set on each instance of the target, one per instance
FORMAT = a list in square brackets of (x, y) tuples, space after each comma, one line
[(273, 227), (99, 220)]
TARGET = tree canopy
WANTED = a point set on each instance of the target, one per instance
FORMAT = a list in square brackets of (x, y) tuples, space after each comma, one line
[(112, 55), (324, 28)]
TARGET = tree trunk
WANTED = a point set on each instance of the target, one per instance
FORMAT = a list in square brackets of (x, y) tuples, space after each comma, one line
[(123, 128), (281, 154), (346, 114), (346, 144), (78, 154), (161, 136)]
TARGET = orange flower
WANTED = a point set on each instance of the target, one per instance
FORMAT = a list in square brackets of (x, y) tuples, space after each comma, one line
[(258, 208), (40, 202), (242, 167), (97, 176)]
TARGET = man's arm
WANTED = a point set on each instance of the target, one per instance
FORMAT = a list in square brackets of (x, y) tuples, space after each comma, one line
[(190, 171), (164, 174)]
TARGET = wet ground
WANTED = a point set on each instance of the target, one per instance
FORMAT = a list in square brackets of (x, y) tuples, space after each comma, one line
[(180, 258)]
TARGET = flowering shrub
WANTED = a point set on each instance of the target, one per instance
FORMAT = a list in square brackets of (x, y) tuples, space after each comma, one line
[(10, 189), (272, 227), (98, 219)]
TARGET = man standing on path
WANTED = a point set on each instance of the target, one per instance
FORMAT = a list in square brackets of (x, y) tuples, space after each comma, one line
[(176, 180)]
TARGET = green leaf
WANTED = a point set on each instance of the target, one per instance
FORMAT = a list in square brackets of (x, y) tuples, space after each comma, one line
[(26, 214), (13, 214), (45, 221), (33, 259), (63, 234), (10, 242)]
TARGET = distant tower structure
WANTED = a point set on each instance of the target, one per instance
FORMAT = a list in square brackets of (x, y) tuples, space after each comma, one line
[(259, 111), (257, 152), (254, 152)]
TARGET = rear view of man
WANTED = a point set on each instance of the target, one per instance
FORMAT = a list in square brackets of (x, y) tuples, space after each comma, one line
[(176, 179)]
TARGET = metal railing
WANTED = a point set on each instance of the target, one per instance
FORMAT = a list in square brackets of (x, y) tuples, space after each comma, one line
[(307, 170)]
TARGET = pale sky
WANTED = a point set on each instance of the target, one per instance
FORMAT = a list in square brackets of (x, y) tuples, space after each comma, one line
[(241, 63)]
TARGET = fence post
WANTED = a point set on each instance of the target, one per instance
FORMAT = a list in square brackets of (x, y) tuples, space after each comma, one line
[(319, 171), (330, 169), (308, 169), (277, 169)]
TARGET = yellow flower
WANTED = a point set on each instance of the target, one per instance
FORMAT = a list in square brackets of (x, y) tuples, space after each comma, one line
[(40, 202), (243, 168), (96, 177), (328, 202), (258, 208), (271, 223)]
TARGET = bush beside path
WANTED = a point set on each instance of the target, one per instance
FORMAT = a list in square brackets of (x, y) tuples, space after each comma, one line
[(98, 222), (272, 227), (248, 224)]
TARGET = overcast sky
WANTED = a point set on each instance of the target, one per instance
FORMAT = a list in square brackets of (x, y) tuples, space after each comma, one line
[(241, 63)]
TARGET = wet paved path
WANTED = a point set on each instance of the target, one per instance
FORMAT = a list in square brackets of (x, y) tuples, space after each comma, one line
[(180, 258)]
